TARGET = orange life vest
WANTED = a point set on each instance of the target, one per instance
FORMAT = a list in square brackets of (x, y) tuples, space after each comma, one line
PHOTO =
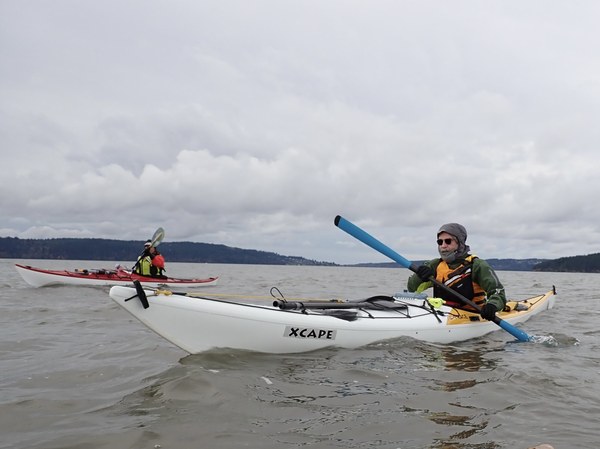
[(459, 279)]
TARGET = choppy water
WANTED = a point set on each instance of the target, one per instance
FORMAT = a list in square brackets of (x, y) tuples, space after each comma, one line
[(78, 372)]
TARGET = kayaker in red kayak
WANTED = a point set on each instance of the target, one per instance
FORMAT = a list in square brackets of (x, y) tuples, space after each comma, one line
[(151, 262)]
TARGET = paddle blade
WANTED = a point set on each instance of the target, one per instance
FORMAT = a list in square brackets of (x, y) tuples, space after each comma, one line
[(159, 234)]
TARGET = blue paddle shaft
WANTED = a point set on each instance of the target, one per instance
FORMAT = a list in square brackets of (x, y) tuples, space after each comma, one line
[(371, 241), (512, 330)]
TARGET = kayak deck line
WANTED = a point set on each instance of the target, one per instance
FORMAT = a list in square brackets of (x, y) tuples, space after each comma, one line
[(394, 303), (333, 306)]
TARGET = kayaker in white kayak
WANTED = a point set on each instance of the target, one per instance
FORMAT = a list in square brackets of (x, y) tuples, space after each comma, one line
[(467, 274), (151, 262)]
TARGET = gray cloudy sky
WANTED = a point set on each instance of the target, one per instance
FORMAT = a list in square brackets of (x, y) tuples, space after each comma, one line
[(254, 123)]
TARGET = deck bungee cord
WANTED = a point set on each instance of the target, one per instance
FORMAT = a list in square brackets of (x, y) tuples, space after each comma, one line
[(342, 309)]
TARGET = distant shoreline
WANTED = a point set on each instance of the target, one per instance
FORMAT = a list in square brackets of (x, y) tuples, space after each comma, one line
[(193, 252)]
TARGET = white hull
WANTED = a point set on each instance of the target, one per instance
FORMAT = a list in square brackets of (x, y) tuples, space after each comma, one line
[(38, 277), (199, 324)]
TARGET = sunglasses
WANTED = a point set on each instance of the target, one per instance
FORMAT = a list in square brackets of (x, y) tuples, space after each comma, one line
[(446, 241)]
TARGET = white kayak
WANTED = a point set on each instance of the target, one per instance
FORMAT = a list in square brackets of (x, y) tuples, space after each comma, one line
[(41, 277), (199, 323)]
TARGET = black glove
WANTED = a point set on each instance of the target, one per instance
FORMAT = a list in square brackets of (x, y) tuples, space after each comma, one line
[(424, 272), (488, 311)]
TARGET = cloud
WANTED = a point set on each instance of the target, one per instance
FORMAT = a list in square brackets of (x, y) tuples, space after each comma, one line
[(254, 124)]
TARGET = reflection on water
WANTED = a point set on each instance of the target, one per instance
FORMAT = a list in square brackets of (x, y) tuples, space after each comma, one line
[(453, 370), (311, 398), (467, 360)]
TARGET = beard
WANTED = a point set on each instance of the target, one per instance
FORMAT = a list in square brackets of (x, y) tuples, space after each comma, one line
[(447, 256)]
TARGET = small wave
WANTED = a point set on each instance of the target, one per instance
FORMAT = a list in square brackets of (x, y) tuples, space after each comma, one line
[(555, 340)]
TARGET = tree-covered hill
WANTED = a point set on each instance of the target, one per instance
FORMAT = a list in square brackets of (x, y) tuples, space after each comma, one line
[(574, 264), (514, 264), (120, 250)]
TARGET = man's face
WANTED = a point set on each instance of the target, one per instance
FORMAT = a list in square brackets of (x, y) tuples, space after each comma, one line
[(447, 242)]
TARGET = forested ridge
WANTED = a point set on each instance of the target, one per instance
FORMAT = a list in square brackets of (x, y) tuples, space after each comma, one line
[(574, 264), (122, 250)]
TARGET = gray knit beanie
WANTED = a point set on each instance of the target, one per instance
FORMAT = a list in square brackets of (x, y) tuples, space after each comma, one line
[(460, 233)]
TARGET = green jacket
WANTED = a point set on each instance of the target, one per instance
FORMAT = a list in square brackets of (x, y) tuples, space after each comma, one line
[(482, 274)]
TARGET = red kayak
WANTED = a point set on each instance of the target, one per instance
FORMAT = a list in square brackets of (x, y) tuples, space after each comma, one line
[(39, 277)]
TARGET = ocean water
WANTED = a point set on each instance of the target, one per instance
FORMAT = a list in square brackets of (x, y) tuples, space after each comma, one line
[(78, 372)]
